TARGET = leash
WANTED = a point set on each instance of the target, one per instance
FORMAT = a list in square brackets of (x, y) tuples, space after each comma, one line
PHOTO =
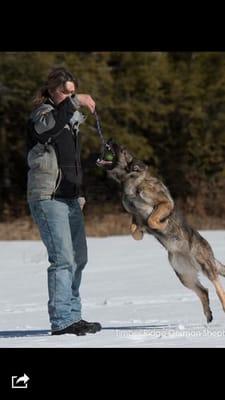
[(107, 152), (99, 129)]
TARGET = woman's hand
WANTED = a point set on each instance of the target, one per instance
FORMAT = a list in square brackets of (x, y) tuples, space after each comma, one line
[(81, 201), (86, 101)]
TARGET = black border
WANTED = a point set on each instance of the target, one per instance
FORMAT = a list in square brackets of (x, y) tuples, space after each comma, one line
[(109, 371), (72, 369)]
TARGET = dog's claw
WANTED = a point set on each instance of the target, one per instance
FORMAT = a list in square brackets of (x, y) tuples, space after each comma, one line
[(209, 318)]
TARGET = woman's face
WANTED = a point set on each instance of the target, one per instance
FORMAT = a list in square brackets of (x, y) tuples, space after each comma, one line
[(63, 91)]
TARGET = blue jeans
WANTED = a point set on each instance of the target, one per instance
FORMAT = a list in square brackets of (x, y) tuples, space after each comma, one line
[(61, 226)]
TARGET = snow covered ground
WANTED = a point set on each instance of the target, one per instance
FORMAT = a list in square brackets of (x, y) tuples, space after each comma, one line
[(128, 286)]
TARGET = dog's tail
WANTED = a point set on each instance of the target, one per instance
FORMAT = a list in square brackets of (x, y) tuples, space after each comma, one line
[(221, 268)]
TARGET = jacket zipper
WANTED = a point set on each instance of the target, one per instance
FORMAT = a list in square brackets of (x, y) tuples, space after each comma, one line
[(77, 161)]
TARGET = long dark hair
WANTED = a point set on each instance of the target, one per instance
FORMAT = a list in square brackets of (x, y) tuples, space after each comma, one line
[(58, 76)]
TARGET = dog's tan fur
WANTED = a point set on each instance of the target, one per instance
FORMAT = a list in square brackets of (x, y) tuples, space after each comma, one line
[(152, 208)]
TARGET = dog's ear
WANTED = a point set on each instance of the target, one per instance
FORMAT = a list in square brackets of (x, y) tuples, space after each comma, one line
[(128, 156), (110, 141), (138, 165)]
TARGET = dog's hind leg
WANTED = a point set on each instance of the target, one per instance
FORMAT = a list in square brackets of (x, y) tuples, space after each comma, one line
[(210, 268), (220, 268), (200, 290), (217, 284), (188, 276), (214, 278), (220, 292)]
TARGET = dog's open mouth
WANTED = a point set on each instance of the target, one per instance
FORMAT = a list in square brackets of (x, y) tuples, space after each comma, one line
[(103, 163)]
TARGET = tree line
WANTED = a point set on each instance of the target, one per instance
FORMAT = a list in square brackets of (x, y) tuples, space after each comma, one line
[(168, 108)]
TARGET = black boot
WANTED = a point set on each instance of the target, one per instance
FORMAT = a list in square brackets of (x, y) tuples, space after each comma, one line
[(79, 328), (75, 329), (92, 327)]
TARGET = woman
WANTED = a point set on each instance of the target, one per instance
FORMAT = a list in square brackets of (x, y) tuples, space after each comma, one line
[(55, 197)]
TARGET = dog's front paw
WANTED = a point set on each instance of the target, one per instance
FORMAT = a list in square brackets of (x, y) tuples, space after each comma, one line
[(153, 224), (136, 232)]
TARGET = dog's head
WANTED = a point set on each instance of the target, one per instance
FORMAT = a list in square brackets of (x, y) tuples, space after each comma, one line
[(113, 156), (119, 162)]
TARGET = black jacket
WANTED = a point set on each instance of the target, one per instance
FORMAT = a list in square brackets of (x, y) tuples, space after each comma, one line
[(59, 126)]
